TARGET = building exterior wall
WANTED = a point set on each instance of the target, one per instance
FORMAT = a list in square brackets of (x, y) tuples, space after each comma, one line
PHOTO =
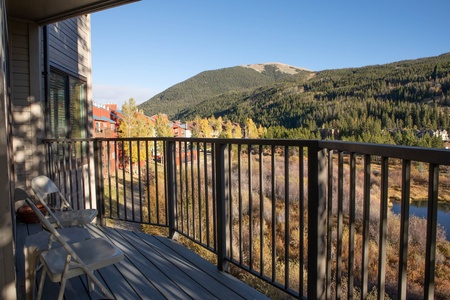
[(69, 44), (7, 268), (26, 104)]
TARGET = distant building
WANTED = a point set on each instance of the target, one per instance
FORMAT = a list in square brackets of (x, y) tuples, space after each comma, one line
[(443, 134), (106, 120), (181, 129)]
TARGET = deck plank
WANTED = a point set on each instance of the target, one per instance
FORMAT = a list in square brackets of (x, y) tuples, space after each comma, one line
[(143, 266), (213, 281), (178, 278), (153, 268), (226, 279)]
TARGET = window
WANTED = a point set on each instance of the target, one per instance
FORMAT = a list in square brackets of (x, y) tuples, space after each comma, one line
[(67, 106)]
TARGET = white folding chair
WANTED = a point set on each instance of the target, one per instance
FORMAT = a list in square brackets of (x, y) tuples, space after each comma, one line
[(62, 213), (76, 259), (36, 243)]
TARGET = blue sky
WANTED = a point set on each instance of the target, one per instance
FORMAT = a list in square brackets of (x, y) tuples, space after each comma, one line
[(141, 49)]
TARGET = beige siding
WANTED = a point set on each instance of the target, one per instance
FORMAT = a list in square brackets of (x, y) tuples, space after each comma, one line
[(70, 45), (7, 269), (27, 125), (69, 50)]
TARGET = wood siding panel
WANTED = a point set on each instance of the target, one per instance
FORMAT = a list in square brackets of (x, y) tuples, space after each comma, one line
[(69, 50), (69, 45), (7, 227)]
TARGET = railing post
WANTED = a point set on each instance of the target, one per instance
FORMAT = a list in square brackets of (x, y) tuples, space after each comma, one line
[(317, 178), (99, 189), (223, 216), (169, 163)]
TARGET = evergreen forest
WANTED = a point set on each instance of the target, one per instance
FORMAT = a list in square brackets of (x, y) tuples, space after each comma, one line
[(404, 102)]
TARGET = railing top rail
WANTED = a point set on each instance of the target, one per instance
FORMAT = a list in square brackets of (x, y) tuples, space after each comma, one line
[(242, 141), (422, 154), (429, 155)]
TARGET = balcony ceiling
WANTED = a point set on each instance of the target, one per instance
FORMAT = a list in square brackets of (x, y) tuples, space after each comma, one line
[(50, 11)]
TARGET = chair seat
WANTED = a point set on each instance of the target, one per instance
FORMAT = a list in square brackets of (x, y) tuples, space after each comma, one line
[(96, 253), (70, 218)]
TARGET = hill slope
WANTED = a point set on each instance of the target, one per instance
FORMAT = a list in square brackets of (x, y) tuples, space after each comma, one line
[(411, 94), (209, 84)]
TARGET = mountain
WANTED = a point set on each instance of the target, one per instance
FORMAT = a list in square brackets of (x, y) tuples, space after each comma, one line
[(209, 84), (410, 94)]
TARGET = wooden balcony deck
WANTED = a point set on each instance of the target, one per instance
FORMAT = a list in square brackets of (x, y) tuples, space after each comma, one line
[(154, 268)]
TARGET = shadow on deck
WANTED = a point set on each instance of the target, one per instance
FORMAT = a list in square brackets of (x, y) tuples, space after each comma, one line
[(154, 268)]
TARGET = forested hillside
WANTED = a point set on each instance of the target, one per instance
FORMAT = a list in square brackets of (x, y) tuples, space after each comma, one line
[(209, 84), (362, 104)]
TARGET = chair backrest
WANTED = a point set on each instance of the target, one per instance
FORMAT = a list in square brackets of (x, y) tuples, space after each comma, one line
[(48, 226), (19, 197), (42, 186), (112, 253)]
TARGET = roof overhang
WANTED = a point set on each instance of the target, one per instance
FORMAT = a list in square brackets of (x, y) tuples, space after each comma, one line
[(50, 11)]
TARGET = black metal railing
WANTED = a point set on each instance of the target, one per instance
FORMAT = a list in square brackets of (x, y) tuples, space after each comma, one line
[(309, 217)]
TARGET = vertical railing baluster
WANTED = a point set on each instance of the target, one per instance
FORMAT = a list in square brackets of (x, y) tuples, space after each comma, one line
[(79, 197), (287, 234), (207, 215), (116, 145), (194, 214), (99, 182), (138, 145), (383, 227), (147, 178), (241, 242), (366, 224), (179, 168), (340, 218), (108, 143), (273, 200), (430, 255), (316, 222), (230, 196), (71, 189), (124, 183), (199, 193), (166, 201), (157, 196), (186, 183), (351, 237), (132, 180), (250, 204), (301, 174), (404, 229), (116, 173), (89, 179), (329, 220), (214, 193), (261, 212)]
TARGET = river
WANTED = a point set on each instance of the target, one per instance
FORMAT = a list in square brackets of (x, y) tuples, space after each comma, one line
[(420, 210)]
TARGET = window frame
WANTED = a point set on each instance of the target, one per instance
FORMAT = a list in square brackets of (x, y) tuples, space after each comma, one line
[(67, 75)]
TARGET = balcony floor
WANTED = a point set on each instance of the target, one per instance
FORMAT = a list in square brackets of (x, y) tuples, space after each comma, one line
[(154, 267)]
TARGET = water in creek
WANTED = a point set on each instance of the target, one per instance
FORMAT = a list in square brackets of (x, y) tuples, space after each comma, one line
[(420, 209)]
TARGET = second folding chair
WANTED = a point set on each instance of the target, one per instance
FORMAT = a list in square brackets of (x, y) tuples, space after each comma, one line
[(62, 213)]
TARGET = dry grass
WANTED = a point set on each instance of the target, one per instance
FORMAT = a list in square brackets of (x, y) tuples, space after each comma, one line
[(266, 228)]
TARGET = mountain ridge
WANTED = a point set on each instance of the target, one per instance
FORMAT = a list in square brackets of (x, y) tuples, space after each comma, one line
[(275, 98), (208, 84)]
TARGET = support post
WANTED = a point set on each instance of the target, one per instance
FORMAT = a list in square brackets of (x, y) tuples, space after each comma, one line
[(223, 215), (169, 163), (99, 189), (317, 202)]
